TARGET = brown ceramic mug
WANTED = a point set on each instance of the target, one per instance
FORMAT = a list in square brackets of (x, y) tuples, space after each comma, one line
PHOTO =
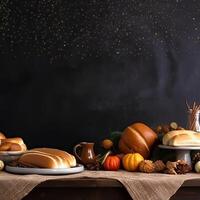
[(87, 155)]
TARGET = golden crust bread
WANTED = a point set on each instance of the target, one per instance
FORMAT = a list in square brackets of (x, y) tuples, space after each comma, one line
[(9, 146), (185, 140), (167, 137), (12, 144), (47, 158), (66, 156), (2, 136), (17, 140)]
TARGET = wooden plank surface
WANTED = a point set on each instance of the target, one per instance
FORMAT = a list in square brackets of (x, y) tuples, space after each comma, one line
[(100, 182), (97, 189)]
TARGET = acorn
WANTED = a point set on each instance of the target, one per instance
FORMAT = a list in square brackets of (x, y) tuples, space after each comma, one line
[(107, 144)]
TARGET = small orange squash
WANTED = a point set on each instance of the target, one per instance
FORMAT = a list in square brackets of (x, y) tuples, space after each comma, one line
[(131, 161), (112, 163)]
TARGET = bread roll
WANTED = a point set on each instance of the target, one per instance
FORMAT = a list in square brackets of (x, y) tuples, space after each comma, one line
[(185, 140), (12, 144), (9, 146), (16, 147), (6, 146), (47, 158), (17, 140), (167, 137), (2, 136)]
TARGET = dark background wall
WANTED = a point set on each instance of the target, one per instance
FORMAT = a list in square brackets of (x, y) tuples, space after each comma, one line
[(75, 70)]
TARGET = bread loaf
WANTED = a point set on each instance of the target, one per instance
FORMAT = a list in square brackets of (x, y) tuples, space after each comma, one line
[(167, 137), (70, 159), (182, 138), (185, 140), (47, 158)]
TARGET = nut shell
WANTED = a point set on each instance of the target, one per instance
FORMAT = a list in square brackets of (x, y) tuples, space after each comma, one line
[(147, 166), (166, 128), (159, 166)]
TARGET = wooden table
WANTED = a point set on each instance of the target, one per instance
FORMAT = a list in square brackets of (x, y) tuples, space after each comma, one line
[(98, 189)]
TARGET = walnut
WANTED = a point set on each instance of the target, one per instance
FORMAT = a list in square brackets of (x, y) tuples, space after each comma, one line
[(195, 158), (147, 166), (183, 167), (170, 171), (173, 126), (171, 165), (178, 167), (158, 129), (159, 166), (93, 166), (166, 128)]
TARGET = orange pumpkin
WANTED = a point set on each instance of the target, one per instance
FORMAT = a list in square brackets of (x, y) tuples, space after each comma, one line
[(137, 138), (112, 163), (131, 161)]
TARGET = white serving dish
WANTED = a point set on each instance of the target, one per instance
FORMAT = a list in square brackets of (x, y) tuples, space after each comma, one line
[(182, 153), (23, 170), (8, 156)]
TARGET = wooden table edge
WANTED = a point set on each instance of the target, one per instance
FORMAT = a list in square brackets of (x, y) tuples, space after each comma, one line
[(98, 182)]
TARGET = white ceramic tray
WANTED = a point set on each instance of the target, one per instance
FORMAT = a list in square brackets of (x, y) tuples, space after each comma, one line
[(179, 148), (24, 170), (8, 156), (182, 153)]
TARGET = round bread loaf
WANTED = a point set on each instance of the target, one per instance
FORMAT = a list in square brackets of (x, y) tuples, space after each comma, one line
[(138, 138)]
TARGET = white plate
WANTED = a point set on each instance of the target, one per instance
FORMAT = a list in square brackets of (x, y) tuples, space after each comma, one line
[(24, 170), (179, 148), (8, 156), (11, 153)]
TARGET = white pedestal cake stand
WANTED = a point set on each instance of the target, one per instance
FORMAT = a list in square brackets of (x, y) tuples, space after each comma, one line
[(182, 153)]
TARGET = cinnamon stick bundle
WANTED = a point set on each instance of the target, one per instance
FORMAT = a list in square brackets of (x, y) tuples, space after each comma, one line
[(193, 119)]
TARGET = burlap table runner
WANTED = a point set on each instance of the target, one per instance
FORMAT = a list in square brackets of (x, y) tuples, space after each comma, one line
[(140, 186)]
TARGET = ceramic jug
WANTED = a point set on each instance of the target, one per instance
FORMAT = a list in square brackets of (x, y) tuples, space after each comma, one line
[(86, 155)]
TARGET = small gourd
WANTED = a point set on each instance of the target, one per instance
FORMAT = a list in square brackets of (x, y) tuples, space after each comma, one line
[(112, 163), (131, 161), (197, 167)]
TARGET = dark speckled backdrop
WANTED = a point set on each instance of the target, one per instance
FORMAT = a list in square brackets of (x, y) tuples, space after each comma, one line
[(74, 70)]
